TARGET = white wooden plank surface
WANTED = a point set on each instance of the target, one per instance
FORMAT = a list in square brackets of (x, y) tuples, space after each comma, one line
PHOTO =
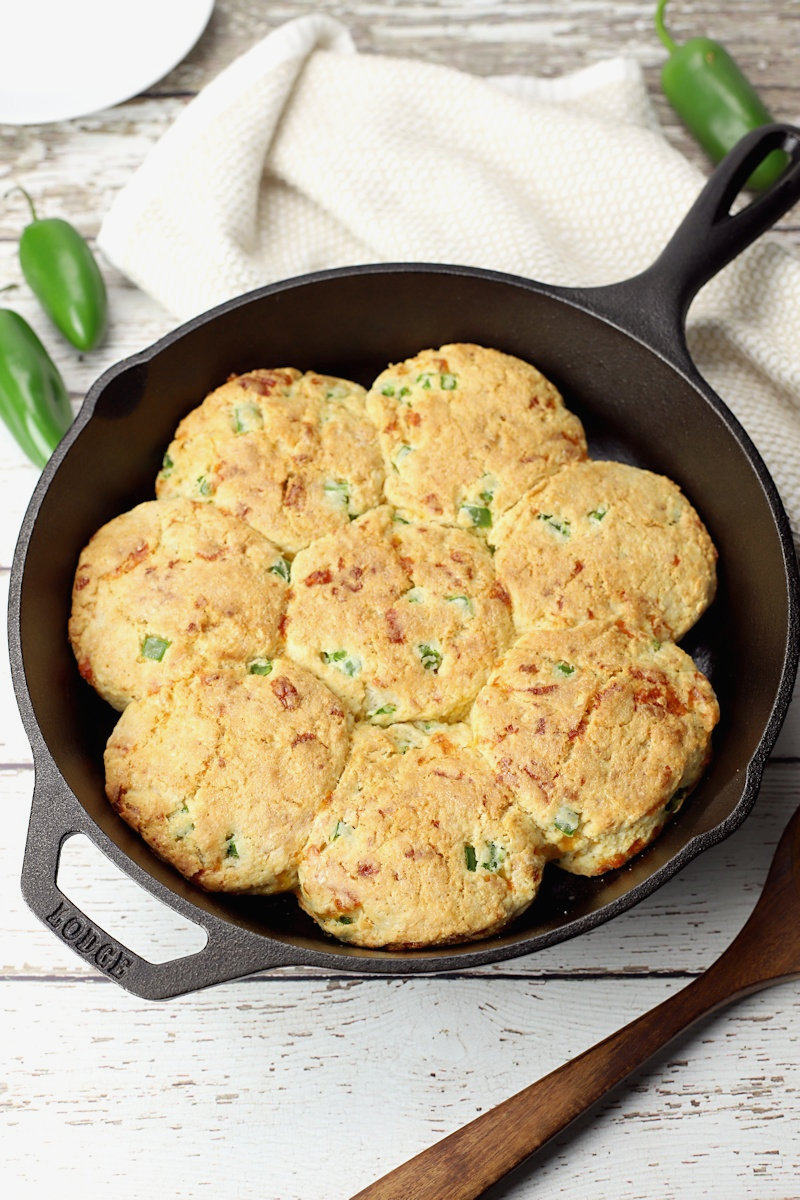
[(304, 1084), (238, 1093)]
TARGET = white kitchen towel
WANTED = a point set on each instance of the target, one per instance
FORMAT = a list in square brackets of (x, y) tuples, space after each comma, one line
[(305, 154)]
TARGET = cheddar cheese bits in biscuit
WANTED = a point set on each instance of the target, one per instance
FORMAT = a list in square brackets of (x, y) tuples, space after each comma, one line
[(402, 621), (222, 774), (292, 454), (419, 845), (465, 431), (599, 732), (604, 539), (171, 588)]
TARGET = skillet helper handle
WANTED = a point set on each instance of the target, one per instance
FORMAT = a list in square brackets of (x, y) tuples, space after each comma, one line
[(229, 952), (464, 1164), (653, 304)]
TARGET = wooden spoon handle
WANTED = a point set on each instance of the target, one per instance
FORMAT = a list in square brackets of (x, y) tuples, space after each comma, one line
[(463, 1165)]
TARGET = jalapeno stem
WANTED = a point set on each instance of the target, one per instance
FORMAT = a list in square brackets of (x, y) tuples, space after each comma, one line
[(661, 28), (19, 188)]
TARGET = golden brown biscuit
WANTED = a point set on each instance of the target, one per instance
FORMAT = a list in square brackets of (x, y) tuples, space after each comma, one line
[(466, 430), (419, 844), (402, 621), (223, 773), (604, 539), (170, 588), (598, 731), (291, 454)]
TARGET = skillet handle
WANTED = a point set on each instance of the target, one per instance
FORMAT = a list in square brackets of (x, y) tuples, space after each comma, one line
[(230, 951), (653, 305)]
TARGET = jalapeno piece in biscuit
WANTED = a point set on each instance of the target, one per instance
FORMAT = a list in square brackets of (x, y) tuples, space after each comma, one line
[(171, 588), (465, 430), (419, 844), (403, 622), (594, 730), (222, 773)]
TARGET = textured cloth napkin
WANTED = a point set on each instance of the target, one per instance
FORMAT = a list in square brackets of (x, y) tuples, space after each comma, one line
[(305, 154)]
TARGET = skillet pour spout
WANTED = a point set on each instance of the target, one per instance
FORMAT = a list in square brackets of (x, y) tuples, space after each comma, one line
[(618, 354)]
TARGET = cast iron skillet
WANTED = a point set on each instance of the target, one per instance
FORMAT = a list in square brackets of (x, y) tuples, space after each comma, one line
[(619, 355)]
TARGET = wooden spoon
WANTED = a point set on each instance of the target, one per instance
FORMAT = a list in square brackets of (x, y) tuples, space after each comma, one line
[(463, 1165)]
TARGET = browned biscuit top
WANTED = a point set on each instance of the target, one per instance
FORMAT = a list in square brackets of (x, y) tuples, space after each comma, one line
[(598, 731), (419, 844), (466, 430), (292, 454), (223, 773), (171, 588), (402, 621), (604, 539)]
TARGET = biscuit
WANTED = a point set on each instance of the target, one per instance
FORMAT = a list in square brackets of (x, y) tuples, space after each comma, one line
[(599, 732), (465, 431), (403, 622), (170, 588), (604, 539), (223, 773), (419, 844), (291, 454)]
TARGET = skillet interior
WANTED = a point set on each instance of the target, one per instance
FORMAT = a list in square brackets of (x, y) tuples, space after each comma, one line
[(635, 407)]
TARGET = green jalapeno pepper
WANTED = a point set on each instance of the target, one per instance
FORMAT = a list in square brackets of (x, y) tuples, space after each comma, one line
[(714, 100), (62, 273), (33, 399)]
